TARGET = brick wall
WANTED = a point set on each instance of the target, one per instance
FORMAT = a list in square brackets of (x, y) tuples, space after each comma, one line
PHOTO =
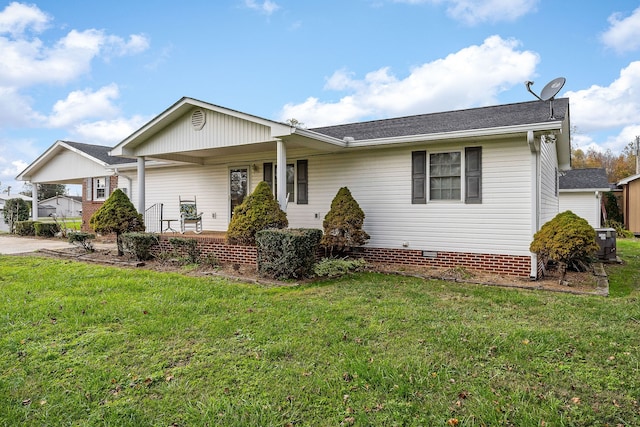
[(509, 265), (89, 207)]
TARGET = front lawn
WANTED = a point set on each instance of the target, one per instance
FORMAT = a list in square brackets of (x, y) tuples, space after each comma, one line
[(85, 345)]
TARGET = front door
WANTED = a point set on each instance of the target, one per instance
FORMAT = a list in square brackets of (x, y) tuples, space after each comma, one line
[(238, 184)]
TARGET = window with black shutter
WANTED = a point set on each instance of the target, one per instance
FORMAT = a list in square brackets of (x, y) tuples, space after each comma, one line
[(419, 177), (473, 174), (303, 186)]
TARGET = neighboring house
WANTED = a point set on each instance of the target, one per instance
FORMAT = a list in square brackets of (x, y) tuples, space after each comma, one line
[(3, 198), (461, 188), (67, 162), (631, 202), (62, 206), (581, 192)]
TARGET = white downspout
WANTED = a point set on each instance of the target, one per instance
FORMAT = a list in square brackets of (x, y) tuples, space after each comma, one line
[(535, 194), (281, 174), (141, 185)]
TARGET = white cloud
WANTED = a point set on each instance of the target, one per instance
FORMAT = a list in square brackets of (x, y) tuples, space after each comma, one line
[(474, 12), (624, 33), (267, 7), (470, 77), (108, 132), (16, 18), (80, 105), (608, 107)]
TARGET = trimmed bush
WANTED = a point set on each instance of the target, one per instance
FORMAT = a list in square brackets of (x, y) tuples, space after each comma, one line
[(46, 229), (343, 223), (287, 254), (258, 211), (568, 240), (25, 228), (83, 239), (138, 245), (336, 267), (186, 250), (117, 215)]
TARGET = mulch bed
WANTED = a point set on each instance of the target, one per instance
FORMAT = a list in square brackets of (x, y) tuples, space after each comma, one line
[(589, 283)]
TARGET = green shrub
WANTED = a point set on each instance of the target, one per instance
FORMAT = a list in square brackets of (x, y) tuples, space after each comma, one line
[(186, 250), (289, 253), (343, 223), (612, 207), (15, 210), (138, 245), (336, 267), (117, 215), (46, 229), (568, 240), (83, 239), (25, 228), (619, 227), (258, 211)]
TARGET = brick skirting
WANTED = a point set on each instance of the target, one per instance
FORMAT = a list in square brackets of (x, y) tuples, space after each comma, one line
[(509, 265)]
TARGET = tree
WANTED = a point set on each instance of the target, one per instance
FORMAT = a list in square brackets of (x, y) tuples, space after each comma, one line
[(343, 223), (45, 191), (258, 211), (617, 166), (117, 215), (15, 210)]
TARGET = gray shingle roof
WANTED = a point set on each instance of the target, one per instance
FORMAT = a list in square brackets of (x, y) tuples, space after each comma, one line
[(100, 152), (576, 179), (475, 118)]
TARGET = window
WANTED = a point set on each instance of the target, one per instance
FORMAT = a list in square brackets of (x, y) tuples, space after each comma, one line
[(270, 176), (444, 174), (98, 189)]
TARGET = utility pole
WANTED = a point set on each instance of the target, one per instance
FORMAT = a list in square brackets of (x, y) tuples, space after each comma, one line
[(637, 155)]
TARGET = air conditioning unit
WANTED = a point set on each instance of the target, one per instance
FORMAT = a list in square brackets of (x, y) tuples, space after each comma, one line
[(606, 238)]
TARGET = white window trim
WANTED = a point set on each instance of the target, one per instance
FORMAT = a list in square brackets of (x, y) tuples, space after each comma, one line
[(94, 188), (462, 177)]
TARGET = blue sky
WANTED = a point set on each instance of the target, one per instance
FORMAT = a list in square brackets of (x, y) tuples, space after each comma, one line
[(95, 71)]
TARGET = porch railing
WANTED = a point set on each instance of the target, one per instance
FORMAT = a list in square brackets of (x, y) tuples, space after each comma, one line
[(153, 218)]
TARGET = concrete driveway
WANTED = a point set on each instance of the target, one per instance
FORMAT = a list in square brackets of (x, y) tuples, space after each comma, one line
[(10, 244)]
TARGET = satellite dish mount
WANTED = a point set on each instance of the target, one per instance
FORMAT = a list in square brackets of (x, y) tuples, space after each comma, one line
[(548, 92)]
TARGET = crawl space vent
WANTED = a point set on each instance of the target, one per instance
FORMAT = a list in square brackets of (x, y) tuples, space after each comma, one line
[(198, 119)]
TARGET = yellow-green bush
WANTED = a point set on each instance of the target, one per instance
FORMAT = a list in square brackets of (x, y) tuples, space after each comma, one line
[(258, 211), (343, 223), (568, 240)]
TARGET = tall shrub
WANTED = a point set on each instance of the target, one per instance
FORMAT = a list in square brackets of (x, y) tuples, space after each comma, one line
[(343, 223), (568, 240), (117, 215), (15, 210), (258, 211)]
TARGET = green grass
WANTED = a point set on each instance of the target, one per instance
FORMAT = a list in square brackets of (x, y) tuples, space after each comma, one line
[(73, 223), (83, 345)]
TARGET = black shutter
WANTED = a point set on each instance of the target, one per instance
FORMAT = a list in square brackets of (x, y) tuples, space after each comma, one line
[(267, 174), (303, 186), (419, 177), (473, 174)]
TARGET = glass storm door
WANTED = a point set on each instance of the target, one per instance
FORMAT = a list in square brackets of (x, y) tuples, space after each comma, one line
[(238, 184)]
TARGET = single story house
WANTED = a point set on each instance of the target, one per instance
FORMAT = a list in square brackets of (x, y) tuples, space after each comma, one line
[(460, 188), (581, 192), (631, 202), (62, 206)]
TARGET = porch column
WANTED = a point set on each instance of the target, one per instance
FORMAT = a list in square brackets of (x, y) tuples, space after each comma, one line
[(141, 185), (34, 201), (281, 174)]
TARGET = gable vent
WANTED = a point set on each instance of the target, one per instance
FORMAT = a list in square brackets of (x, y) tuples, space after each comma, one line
[(198, 119)]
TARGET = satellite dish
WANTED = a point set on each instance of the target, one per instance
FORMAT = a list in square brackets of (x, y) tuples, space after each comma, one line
[(548, 92), (552, 88)]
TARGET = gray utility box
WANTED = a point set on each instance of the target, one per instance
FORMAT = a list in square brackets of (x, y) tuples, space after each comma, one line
[(606, 238)]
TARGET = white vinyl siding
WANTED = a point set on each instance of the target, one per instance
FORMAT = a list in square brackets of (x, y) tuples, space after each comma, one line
[(585, 204), (548, 181), (69, 165)]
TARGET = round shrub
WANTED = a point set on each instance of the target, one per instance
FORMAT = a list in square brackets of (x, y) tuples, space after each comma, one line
[(568, 240), (258, 211)]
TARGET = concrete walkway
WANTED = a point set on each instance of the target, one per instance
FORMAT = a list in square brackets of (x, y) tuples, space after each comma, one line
[(11, 244)]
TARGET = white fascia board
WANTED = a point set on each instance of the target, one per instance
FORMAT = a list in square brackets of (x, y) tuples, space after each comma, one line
[(583, 190), (505, 130), (628, 179)]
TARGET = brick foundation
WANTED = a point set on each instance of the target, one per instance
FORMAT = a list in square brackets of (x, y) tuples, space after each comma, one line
[(508, 265)]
